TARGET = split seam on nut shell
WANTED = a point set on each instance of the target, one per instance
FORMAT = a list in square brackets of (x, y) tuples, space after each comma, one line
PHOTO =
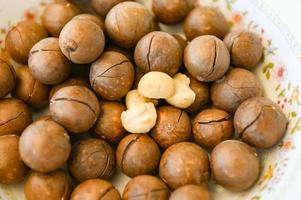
[(214, 60), (226, 81), (31, 92), (43, 50), (105, 192), (233, 40), (11, 68), (224, 119), (148, 52), (148, 193), (20, 38), (91, 154), (107, 161), (14, 118), (127, 149)]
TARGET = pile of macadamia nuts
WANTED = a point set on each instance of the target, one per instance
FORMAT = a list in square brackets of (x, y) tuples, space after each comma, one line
[(171, 112)]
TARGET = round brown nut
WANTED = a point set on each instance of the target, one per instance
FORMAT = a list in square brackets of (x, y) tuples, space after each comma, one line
[(108, 125), (205, 21), (211, 127), (97, 20), (145, 187), (56, 15), (173, 126), (47, 63), (184, 163), (191, 192), (95, 189), (235, 165), (237, 86), (126, 52), (206, 58), (138, 154), (112, 75), (127, 23), (260, 122), (12, 168), (14, 116), (82, 41), (158, 51), (245, 48), (171, 11), (7, 78), (75, 107), (21, 38), (29, 89), (102, 7), (91, 158), (55, 185), (45, 145)]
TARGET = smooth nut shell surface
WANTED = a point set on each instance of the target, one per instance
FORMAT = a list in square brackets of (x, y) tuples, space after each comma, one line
[(94, 18), (191, 192), (7, 78), (102, 7)]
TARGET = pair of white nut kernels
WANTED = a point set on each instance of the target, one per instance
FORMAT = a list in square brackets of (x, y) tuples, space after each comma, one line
[(141, 115)]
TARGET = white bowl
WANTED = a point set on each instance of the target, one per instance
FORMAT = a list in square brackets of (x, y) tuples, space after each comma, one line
[(279, 74)]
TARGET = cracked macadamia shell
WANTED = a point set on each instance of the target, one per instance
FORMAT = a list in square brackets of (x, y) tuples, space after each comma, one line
[(21, 37), (184, 163), (82, 41), (29, 89), (204, 20), (171, 11), (7, 78), (95, 189), (91, 158), (102, 7), (15, 116), (56, 15), (55, 185), (158, 51), (127, 23), (206, 58), (145, 186), (112, 75), (235, 165), (260, 122), (47, 63), (191, 192), (237, 86), (138, 154), (212, 126), (75, 107), (172, 126), (12, 168), (45, 145), (245, 48)]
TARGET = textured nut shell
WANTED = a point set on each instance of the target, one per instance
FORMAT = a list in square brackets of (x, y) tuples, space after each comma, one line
[(12, 168), (235, 165), (7, 78), (97, 20), (138, 154), (47, 63), (55, 185), (134, 98), (95, 189), (181, 40), (191, 192), (145, 186), (260, 122), (184, 163), (102, 7), (14, 116)]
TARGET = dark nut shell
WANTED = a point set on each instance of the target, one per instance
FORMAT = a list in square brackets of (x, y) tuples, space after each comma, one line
[(12, 168), (56, 15), (205, 21), (206, 58), (95, 189), (138, 154), (55, 185), (97, 20), (7, 78), (30, 90), (184, 163), (14, 116), (82, 41), (212, 126), (21, 37), (260, 122), (91, 158), (245, 48), (171, 11), (172, 126), (235, 165), (127, 23), (112, 75), (47, 63), (237, 86), (145, 187), (75, 107), (158, 51), (102, 7), (191, 192)]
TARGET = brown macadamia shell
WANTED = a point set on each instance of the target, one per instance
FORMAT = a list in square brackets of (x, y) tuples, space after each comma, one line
[(191, 192), (96, 19), (102, 7), (181, 40), (7, 78)]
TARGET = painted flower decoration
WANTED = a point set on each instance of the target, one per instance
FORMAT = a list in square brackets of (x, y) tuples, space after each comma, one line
[(280, 72)]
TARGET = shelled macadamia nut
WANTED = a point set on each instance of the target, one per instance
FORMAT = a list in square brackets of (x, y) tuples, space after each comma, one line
[(102, 7), (134, 98), (191, 192), (260, 122), (94, 18), (7, 78), (206, 58)]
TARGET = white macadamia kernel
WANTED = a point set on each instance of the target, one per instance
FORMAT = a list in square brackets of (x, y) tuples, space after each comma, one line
[(134, 98)]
